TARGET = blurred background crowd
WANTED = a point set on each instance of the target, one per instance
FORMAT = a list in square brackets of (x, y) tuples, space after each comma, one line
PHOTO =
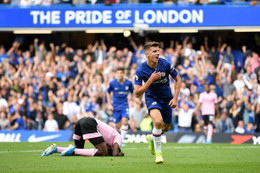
[(47, 86)]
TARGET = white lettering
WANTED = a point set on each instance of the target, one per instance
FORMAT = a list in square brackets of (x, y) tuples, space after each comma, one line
[(149, 13), (128, 14), (256, 140), (173, 16), (10, 137), (120, 15), (137, 17), (161, 16), (140, 138), (107, 17), (96, 17), (45, 18), (69, 15), (88, 17), (35, 15), (80, 15), (197, 16), (55, 17), (187, 14)]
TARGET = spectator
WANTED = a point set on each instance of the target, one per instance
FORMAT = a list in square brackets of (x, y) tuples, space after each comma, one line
[(250, 128), (228, 88), (228, 57), (185, 118), (18, 122), (240, 127), (239, 84), (137, 115), (4, 122), (62, 120), (224, 124), (146, 124), (71, 109), (51, 124)]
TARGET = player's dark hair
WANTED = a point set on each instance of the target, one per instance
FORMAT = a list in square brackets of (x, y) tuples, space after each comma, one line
[(150, 44), (120, 69)]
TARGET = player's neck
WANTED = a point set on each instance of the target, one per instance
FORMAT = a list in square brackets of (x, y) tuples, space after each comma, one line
[(152, 64), (121, 81)]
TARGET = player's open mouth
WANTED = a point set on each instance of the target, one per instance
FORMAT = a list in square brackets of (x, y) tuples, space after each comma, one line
[(157, 57)]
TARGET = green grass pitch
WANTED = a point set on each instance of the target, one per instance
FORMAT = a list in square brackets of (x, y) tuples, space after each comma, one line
[(219, 158)]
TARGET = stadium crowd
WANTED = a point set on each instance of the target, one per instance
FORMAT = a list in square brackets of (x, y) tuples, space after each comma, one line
[(49, 87)]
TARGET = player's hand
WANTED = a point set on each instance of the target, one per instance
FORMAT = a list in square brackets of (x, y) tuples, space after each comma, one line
[(155, 76), (110, 108), (173, 103)]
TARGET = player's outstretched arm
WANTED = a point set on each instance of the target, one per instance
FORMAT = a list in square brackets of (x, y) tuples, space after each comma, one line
[(140, 89)]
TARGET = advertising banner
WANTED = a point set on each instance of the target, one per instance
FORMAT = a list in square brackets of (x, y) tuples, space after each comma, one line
[(152, 16), (35, 136)]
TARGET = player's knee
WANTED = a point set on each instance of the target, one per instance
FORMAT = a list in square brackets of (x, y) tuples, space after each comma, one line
[(104, 153), (158, 123), (165, 129)]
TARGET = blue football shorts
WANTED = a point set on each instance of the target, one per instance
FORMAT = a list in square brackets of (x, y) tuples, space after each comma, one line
[(119, 114), (165, 109)]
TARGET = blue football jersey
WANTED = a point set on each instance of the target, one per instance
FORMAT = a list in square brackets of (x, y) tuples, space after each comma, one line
[(120, 92), (159, 89)]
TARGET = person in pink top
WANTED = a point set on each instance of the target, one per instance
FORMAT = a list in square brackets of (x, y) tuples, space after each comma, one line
[(208, 103), (107, 141)]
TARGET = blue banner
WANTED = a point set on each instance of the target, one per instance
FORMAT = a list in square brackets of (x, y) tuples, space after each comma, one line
[(35, 136), (158, 15)]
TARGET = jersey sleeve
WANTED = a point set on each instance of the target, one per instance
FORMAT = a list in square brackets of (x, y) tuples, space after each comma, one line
[(110, 88), (138, 78), (173, 72), (131, 88)]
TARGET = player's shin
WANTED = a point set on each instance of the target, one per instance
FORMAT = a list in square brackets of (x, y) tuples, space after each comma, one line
[(124, 131), (85, 152), (210, 131), (61, 149), (157, 135)]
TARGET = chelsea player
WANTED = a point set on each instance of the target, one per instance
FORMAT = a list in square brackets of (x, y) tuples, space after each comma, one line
[(152, 77), (120, 87)]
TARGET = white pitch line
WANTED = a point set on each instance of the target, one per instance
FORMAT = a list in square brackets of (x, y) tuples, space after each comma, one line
[(23, 151), (143, 148), (200, 147)]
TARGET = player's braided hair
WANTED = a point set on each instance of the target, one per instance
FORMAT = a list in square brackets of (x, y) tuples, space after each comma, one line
[(150, 44)]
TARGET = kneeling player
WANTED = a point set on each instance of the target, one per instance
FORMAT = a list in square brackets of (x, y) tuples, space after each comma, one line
[(107, 141)]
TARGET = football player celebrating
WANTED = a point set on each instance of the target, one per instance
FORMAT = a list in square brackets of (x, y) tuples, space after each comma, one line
[(158, 97)]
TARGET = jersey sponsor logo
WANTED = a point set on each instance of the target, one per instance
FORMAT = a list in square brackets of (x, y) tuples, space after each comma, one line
[(121, 92), (163, 74), (161, 81), (154, 103)]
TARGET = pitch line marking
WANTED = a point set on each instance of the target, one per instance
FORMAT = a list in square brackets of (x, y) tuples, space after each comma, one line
[(143, 148)]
